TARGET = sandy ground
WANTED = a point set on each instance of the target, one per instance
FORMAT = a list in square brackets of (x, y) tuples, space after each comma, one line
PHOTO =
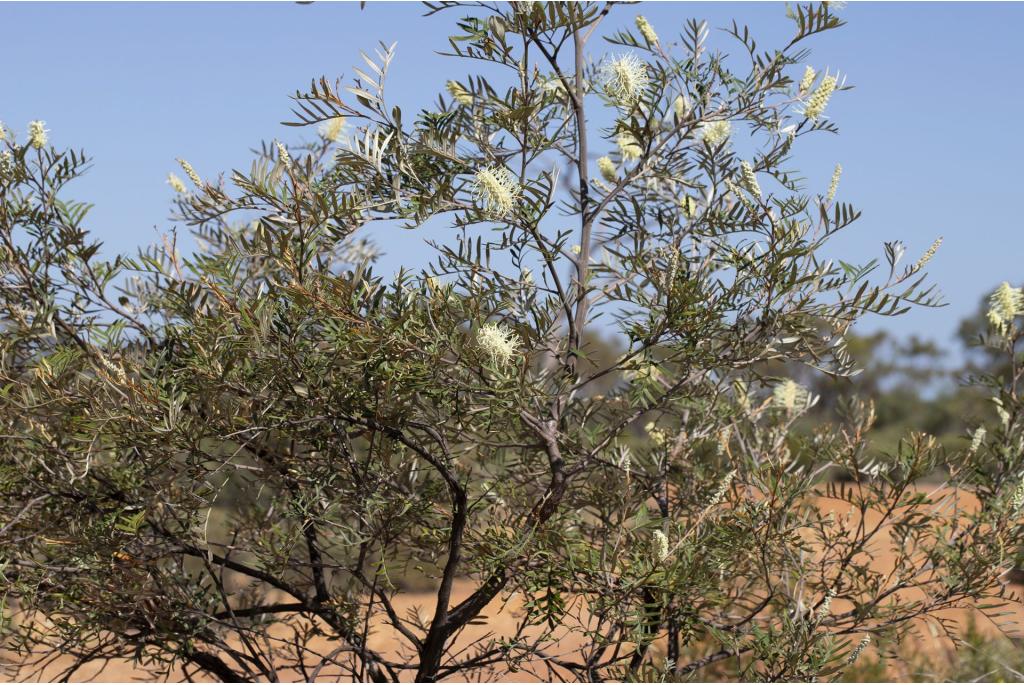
[(501, 620)]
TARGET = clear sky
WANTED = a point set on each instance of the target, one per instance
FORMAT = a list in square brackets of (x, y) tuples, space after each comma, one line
[(931, 140)]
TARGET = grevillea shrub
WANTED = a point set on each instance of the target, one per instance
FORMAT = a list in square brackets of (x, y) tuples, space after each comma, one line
[(236, 463)]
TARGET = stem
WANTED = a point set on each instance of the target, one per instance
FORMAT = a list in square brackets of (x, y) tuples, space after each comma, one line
[(586, 219)]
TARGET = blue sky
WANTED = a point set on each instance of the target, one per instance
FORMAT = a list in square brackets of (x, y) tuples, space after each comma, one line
[(931, 143)]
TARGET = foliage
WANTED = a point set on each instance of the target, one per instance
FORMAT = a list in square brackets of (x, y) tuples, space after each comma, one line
[(212, 461), (976, 657)]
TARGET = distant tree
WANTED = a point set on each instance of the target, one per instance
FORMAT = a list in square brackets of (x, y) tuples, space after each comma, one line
[(911, 383), (457, 421)]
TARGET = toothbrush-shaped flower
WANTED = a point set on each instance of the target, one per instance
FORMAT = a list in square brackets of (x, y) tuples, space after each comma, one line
[(1005, 304), (646, 30), (682, 107), (833, 186), (497, 189), (750, 179), (807, 81), (190, 172), (789, 396), (331, 129), (714, 132), (629, 147), (607, 168), (659, 546), (459, 94), (819, 98), (625, 79), (37, 137), (499, 342), (176, 184)]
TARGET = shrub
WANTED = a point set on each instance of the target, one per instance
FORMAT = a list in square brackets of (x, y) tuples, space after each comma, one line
[(224, 461)]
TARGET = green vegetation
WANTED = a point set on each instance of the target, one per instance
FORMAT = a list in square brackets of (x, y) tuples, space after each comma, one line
[(601, 399)]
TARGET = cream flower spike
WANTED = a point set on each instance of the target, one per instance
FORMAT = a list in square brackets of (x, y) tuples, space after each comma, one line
[(682, 107), (190, 172), (689, 206), (625, 78), (607, 168), (819, 98), (790, 396), (459, 94), (861, 646), (629, 148), (714, 132), (499, 342), (332, 129), (750, 179), (659, 546), (977, 439), (646, 30), (282, 151), (497, 190), (177, 185), (833, 186), (1004, 304), (37, 137), (807, 81), (927, 256)]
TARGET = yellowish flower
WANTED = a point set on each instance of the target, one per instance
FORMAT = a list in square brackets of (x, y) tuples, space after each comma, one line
[(819, 98), (658, 436), (282, 151), (646, 30), (1005, 303), (176, 184), (750, 179), (689, 206), (459, 94), (724, 435), (682, 107), (332, 129), (499, 342), (625, 79), (1017, 499), (497, 189), (37, 137), (825, 608), (834, 185), (629, 147), (977, 439), (607, 169), (659, 546), (807, 81), (722, 488), (790, 396), (861, 646), (927, 256), (735, 190), (190, 172), (1004, 416), (714, 132)]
